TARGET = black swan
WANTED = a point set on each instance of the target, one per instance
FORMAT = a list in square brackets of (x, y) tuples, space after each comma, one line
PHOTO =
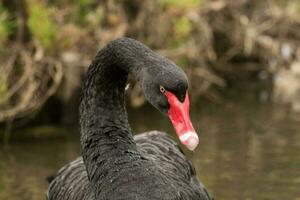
[(114, 164)]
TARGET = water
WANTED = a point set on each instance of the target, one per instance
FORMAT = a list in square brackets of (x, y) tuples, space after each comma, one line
[(248, 151)]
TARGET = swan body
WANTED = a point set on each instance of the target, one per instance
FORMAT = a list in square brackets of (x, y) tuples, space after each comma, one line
[(114, 164)]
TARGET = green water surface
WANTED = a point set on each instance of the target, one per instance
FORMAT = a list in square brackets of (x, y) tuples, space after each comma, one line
[(248, 151)]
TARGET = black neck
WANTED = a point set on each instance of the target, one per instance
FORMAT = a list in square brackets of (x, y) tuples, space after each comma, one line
[(104, 127)]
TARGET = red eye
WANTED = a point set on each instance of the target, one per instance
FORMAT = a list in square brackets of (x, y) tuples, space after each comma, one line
[(162, 89)]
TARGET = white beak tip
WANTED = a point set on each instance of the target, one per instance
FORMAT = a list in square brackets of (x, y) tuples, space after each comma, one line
[(192, 143), (190, 140)]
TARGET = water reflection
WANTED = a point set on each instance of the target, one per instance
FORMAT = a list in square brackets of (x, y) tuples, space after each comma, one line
[(247, 151)]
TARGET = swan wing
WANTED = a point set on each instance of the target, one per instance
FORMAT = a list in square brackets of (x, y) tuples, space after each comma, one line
[(70, 183)]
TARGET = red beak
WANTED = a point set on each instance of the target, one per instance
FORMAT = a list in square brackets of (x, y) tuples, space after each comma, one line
[(180, 118)]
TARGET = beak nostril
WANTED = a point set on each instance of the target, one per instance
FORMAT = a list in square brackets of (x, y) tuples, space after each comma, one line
[(162, 89)]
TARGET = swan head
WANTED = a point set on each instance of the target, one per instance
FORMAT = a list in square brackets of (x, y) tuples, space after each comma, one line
[(165, 86)]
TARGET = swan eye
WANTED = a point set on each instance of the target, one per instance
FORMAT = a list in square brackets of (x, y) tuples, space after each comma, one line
[(162, 89)]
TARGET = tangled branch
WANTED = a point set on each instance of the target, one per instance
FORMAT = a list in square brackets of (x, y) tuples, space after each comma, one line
[(35, 83)]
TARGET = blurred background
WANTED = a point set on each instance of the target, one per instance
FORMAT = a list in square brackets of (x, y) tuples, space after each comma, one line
[(242, 58)]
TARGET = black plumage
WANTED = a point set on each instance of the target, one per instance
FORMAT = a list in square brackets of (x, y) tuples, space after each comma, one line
[(114, 164)]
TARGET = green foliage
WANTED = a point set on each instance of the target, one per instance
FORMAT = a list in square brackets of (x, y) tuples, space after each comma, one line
[(182, 61), (6, 25), (282, 3), (3, 88), (183, 26), (40, 24), (291, 5), (94, 18), (182, 30), (181, 3), (82, 10)]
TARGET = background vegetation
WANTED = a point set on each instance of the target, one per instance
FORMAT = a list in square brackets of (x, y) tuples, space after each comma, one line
[(241, 56), (46, 46)]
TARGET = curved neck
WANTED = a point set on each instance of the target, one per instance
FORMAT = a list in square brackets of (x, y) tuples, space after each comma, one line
[(102, 101), (104, 127)]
